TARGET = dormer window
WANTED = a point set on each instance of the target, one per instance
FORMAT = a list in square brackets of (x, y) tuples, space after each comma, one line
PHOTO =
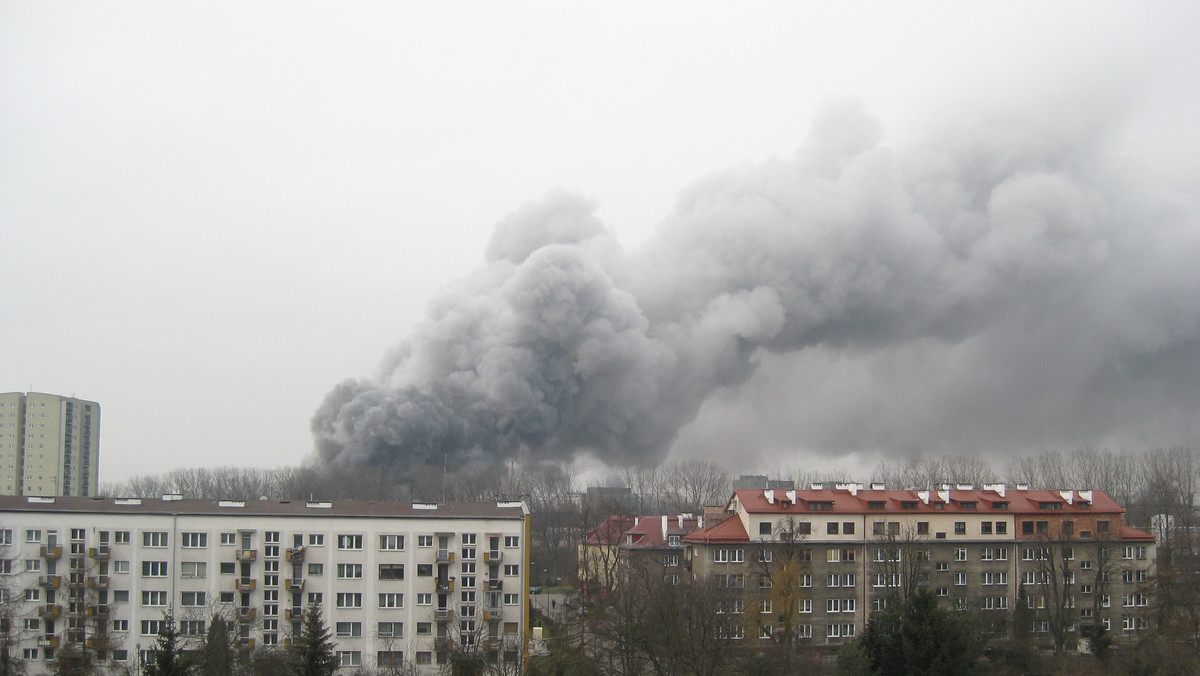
[(820, 506), (1050, 505), (673, 541), (969, 505), (875, 504), (908, 504), (999, 505)]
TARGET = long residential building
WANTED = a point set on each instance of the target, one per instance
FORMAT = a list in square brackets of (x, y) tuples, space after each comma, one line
[(1067, 555), (49, 444), (399, 583)]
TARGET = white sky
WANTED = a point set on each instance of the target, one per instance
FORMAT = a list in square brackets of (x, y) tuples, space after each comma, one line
[(210, 213)]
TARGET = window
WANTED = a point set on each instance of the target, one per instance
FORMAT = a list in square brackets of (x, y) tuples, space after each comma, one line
[(426, 599), (32, 565), (154, 539), (349, 658), (349, 571), (960, 579), (389, 659), (316, 569), (349, 542), (391, 600), (424, 656), (29, 654), (228, 567), (764, 556), (764, 606), (391, 571), (194, 598), (804, 605), (391, 543), (228, 539), (316, 539), (831, 528), (120, 625), (151, 627), (154, 568), (390, 630), (315, 597), (194, 540), (764, 528), (512, 541), (922, 528), (349, 600), (960, 527), (513, 570), (33, 536), (424, 541), (192, 569), (512, 599), (121, 596), (833, 555), (349, 629), (805, 580), (985, 528), (154, 598)]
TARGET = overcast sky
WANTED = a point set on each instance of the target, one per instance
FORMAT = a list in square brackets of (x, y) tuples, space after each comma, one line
[(213, 213)]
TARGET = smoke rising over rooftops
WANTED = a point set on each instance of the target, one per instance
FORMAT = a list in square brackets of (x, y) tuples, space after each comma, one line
[(1004, 287)]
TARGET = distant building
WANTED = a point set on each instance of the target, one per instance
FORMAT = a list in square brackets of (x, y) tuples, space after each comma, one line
[(400, 584), (760, 482), (624, 540), (49, 444), (1071, 552)]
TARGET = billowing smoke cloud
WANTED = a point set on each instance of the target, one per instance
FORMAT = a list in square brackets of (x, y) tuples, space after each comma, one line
[(999, 288)]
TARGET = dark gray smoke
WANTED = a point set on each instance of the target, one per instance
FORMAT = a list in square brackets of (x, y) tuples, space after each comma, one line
[(1003, 286)]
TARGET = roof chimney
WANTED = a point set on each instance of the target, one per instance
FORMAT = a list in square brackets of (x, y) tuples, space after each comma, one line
[(1022, 487), (1086, 496), (770, 494), (999, 488), (877, 487), (665, 520), (817, 486), (944, 495), (791, 496), (924, 495), (1068, 495)]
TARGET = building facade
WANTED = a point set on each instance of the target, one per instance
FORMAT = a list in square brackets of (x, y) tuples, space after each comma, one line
[(621, 541), (1067, 556), (398, 583), (49, 444)]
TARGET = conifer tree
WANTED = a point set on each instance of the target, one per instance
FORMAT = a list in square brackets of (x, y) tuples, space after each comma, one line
[(312, 652), (167, 660)]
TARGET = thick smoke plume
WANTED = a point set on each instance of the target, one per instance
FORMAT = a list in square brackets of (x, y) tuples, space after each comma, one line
[(998, 289)]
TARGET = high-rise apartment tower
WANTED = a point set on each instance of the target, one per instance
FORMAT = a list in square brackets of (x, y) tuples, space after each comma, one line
[(49, 444)]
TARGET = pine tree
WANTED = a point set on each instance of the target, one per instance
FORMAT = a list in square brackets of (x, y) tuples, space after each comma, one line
[(217, 656), (168, 659), (312, 653)]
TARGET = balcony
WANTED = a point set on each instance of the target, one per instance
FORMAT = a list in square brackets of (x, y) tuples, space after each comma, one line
[(294, 584), (445, 585), (493, 585), (245, 584), (443, 614), (100, 553), (51, 552), (246, 554), (97, 642), (491, 615), (97, 611), (48, 641), (50, 612), (296, 554), (98, 581), (443, 643), (494, 556), (50, 581), (246, 642), (445, 556), (246, 613), (293, 613)]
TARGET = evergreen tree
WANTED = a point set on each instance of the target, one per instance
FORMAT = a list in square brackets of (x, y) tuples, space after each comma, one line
[(917, 637), (217, 656), (312, 652), (167, 660)]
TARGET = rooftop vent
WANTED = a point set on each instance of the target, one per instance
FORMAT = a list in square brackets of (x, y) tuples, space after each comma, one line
[(424, 505), (231, 503), (321, 504), (1022, 487), (172, 497), (127, 501), (42, 499)]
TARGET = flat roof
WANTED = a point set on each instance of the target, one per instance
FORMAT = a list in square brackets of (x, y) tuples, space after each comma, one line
[(283, 508)]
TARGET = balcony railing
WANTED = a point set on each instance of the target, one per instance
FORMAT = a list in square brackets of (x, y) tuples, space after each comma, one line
[(294, 554), (494, 556), (443, 643), (100, 552), (445, 585), (48, 641), (246, 554), (445, 556), (98, 582), (443, 614), (294, 584), (51, 552), (493, 585), (50, 581), (491, 615), (246, 642), (246, 613), (50, 612), (293, 613), (97, 611), (245, 584)]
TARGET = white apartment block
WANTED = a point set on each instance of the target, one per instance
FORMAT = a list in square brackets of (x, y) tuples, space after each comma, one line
[(399, 583), (49, 444)]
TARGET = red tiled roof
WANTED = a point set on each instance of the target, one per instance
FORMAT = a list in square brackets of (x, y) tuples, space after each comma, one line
[(1131, 533), (843, 501), (729, 530)]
